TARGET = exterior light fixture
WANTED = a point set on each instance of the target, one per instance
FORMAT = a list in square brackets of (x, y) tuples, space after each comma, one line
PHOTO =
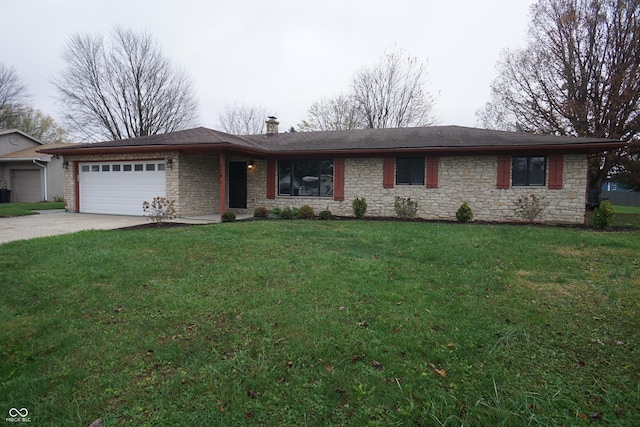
[(65, 164), (169, 162), (251, 165)]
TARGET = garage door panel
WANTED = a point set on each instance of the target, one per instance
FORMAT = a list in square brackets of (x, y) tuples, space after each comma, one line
[(123, 190)]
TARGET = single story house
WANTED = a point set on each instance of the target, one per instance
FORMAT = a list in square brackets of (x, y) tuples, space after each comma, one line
[(209, 172), (27, 175)]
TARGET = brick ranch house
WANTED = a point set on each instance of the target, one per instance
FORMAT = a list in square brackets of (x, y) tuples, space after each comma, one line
[(209, 172)]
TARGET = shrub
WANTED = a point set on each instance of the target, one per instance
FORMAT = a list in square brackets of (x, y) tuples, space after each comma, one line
[(604, 214), (405, 207), (287, 213), (159, 210), (529, 207), (306, 212), (359, 206), (228, 217), (275, 213), (261, 212), (464, 214), (325, 215)]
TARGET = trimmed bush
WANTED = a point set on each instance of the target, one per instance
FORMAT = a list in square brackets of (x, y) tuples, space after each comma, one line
[(228, 217), (464, 214), (261, 212), (306, 212), (359, 207), (325, 215), (604, 214)]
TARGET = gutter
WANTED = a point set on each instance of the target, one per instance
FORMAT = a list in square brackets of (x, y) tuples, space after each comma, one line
[(46, 181)]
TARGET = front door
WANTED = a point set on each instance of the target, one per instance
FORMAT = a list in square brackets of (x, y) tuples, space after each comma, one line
[(238, 185)]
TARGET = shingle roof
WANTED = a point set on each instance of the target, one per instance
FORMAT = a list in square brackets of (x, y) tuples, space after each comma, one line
[(406, 138), (434, 138)]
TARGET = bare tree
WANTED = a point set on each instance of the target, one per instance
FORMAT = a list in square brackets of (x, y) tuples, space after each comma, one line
[(337, 113), (241, 119), (123, 90), (392, 94), (13, 95), (578, 75)]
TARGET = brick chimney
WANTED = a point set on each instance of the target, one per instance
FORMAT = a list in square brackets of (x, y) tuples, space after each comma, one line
[(272, 125)]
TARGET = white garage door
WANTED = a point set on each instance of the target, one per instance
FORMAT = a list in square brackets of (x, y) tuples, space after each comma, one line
[(120, 188)]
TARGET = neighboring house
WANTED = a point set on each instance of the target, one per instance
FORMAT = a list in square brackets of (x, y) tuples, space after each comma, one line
[(27, 175), (209, 172)]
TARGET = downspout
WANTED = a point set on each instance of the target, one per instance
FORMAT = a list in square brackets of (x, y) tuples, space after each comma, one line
[(46, 181)]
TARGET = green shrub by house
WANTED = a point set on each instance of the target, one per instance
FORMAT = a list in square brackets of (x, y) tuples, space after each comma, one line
[(604, 214), (288, 213), (359, 207), (228, 217), (325, 215), (464, 213)]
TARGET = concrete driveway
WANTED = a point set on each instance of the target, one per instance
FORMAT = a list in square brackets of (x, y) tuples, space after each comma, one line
[(51, 223)]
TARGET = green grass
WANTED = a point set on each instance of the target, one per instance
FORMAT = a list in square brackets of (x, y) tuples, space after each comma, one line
[(626, 217), (21, 209), (323, 323)]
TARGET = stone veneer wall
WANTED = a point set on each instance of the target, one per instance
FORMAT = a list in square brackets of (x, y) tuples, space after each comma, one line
[(460, 179), (197, 191)]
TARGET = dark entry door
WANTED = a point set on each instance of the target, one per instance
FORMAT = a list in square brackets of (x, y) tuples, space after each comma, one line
[(238, 185)]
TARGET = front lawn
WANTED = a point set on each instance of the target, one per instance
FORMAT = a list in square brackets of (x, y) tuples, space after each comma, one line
[(323, 323), (21, 209)]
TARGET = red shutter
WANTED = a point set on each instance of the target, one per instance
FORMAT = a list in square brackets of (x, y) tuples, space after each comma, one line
[(388, 172), (504, 171), (338, 179), (555, 171), (432, 171), (271, 179)]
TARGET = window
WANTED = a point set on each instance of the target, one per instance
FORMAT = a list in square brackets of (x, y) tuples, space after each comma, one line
[(95, 168), (528, 170), (410, 171), (138, 167), (85, 168), (150, 167), (115, 168), (106, 168), (160, 166), (311, 178)]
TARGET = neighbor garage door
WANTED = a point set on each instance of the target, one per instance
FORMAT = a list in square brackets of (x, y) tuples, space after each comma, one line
[(120, 187), (27, 185)]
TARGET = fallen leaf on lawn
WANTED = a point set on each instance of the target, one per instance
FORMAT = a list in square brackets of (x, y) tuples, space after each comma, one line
[(363, 323), (355, 358), (329, 368), (396, 330), (595, 416), (440, 372), (581, 415), (252, 394), (377, 365), (221, 409), (451, 346), (341, 308)]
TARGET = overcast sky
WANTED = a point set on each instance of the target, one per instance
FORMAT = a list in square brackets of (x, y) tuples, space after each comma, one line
[(280, 54)]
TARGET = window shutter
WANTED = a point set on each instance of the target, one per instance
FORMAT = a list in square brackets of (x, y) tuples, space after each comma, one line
[(271, 179), (432, 171), (504, 171), (388, 172), (555, 171), (338, 179)]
